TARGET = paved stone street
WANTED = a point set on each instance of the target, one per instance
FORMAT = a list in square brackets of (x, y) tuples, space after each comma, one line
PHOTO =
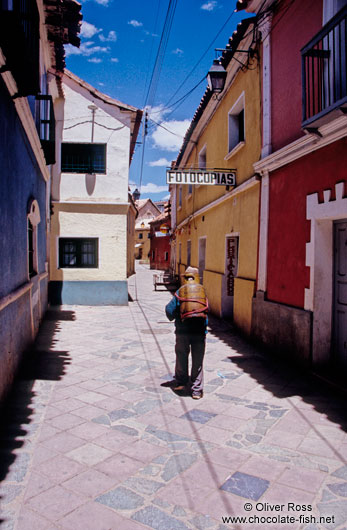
[(92, 440)]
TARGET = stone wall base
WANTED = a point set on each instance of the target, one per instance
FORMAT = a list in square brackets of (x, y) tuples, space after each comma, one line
[(284, 330)]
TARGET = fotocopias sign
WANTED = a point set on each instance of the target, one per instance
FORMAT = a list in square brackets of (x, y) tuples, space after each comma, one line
[(210, 177)]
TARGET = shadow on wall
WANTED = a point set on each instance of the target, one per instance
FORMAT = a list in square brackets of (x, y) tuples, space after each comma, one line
[(284, 380), (21, 410)]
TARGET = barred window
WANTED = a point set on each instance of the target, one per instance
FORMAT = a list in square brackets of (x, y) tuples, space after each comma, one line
[(78, 253), (83, 158)]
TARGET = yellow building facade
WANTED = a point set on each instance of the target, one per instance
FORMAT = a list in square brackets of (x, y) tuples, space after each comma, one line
[(217, 226)]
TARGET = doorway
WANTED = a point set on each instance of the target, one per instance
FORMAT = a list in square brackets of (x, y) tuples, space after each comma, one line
[(202, 257), (340, 293), (230, 272)]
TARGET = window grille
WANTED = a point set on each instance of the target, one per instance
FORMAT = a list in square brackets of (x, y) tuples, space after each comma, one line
[(78, 253), (83, 158)]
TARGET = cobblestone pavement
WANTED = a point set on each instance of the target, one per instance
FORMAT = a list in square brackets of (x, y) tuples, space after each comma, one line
[(92, 440)]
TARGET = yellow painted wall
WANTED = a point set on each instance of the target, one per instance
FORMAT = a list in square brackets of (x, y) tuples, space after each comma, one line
[(107, 223), (145, 243), (239, 214), (244, 292), (215, 137), (130, 241)]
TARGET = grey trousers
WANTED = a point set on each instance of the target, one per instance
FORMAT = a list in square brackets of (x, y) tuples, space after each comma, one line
[(194, 343)]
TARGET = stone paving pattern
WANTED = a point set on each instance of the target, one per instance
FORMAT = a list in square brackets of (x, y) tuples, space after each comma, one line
[(91, 439)]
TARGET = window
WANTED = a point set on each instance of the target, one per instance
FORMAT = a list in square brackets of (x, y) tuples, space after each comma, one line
[(180, 197), (236, 124), (189, 252), (45, 123), (166, 256), (31, 238), (78, 253), (149, 235), (83, 158), (190, 190), (179, 252), (202, 158), (140, 235), (33, 219)]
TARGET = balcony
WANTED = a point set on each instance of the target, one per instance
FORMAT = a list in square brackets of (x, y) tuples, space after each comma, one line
[(324, 73), (45, 124), (19, 41)]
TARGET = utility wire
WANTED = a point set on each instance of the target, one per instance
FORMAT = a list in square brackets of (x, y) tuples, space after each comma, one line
[(152, 88), (151, 51), (202, 56), (161, 52)]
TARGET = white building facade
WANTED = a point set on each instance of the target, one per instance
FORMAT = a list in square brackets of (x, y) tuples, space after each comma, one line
[(90, 202)]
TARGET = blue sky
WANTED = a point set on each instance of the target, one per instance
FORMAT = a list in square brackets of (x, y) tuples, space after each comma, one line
[(119, 43)]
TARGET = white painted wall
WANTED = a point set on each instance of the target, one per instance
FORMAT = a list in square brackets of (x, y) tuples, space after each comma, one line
[(111, 127)]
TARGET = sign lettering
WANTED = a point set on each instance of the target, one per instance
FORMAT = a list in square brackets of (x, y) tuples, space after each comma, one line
[(215, 177)]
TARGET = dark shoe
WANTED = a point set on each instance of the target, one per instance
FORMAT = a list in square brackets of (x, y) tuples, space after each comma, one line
[(198, 395)]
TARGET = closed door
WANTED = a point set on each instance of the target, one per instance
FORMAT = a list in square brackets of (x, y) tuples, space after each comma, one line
[(340, 292), (202, 257)]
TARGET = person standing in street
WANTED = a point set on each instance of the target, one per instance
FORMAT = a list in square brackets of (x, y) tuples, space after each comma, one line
[(189, 309)]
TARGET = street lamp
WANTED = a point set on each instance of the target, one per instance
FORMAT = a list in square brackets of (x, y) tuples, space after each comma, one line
[(216, 77)]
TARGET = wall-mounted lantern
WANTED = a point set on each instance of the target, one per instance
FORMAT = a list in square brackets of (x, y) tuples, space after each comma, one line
[(216, 77)]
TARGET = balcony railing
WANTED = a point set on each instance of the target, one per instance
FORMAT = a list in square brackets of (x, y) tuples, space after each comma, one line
[(324, 71), (19, 41), (45, 123)]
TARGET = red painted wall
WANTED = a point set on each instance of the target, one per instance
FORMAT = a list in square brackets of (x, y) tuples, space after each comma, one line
[(287, 275), (293, 25), (159, 245)]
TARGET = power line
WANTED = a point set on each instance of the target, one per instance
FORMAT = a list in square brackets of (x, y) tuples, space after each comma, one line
[(151, 50), (161, 52), (202, 56), (152, 88)]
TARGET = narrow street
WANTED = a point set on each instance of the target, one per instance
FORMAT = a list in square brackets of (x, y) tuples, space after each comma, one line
[(92, 440)]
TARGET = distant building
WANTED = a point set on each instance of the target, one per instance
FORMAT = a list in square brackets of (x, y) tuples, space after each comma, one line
[(147, 211), (160, 205), (32, 35), (91, 219), (160, 233)]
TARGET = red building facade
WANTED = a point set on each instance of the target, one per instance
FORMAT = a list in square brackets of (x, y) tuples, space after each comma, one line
[(160, 250), (300, 307)]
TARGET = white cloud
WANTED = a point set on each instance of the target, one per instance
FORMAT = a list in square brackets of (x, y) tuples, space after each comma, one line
[(112, 37), (114, 60), (101, 84), (169, 136), (162, 162), (95, 60), (153, 188), (88, 30), (135, 23), (209, 6), (85, 49), (103, 2), (178, 51)]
